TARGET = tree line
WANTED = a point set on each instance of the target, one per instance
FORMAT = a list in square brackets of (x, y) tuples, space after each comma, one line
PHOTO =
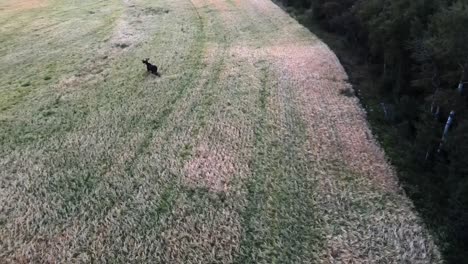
[(418, 52)]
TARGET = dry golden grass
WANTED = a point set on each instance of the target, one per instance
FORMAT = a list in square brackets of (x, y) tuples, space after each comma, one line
[(244, 151), (21, 5), (352, 171), (210, 168)]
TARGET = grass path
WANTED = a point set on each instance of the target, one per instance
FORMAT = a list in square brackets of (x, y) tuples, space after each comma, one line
[(244, 151)]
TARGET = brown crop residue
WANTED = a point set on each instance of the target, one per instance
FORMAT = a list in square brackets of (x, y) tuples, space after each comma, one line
[(51, 248), (128, 32), (307, 62), (337, 124), (210, 168), (21, 5), (210, 237)]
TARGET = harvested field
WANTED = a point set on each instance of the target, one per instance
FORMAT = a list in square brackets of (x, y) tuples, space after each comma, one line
[(21, 5), (245, 150)]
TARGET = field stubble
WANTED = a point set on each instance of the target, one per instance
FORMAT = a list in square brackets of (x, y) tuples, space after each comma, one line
[(243, 151)]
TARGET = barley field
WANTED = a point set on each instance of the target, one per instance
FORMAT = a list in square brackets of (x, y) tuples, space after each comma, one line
[(248, 149)]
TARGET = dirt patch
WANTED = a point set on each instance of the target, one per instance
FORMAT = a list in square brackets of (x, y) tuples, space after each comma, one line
[(134, 25), (126, 33)]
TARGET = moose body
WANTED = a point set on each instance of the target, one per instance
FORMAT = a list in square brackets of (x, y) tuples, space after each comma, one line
[(150, 67)]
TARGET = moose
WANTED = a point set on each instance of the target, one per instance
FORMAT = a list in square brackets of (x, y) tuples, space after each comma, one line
[(150, 67)]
